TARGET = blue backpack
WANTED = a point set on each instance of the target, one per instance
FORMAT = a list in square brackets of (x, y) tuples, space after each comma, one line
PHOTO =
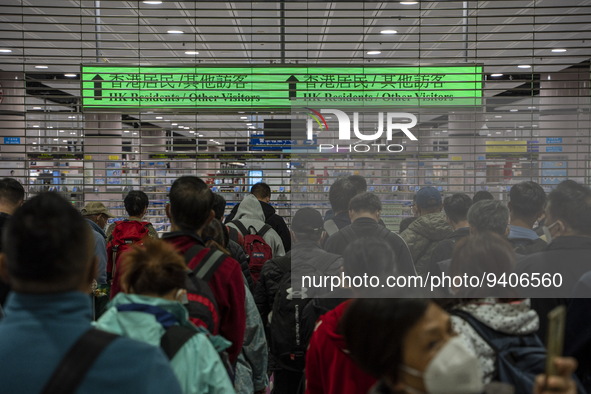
[(519, 358)]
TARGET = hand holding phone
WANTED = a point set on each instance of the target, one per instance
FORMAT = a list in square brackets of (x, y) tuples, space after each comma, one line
[(555, 338)]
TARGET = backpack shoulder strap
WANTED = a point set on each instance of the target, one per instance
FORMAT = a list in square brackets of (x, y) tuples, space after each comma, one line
[(243, 230), (263, 230), (331, 227), (486, 333), (210, 263), (174, 339), (192, 252), (77, 362)]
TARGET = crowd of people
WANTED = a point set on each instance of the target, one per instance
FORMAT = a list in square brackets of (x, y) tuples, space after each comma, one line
[(219, 304)]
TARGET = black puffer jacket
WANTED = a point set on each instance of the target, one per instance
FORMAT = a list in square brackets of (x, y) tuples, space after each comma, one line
[(274, 270), (445, 248), (238, 254)]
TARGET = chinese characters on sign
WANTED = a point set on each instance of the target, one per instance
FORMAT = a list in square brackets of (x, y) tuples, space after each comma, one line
[(276, 87)]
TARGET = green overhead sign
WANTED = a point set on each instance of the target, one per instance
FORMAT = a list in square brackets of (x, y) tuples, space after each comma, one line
[(278, 86)]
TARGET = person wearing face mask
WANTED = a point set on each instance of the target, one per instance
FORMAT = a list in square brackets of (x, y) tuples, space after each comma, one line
[(329, 368), (97, 216), (150, 307), (413, 350), (568, 232)]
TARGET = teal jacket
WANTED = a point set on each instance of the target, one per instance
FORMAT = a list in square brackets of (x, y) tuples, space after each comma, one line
[(39, 329), (197, 365)]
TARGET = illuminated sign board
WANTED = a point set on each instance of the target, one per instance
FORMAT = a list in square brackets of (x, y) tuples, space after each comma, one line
[(506, 146), (278, 86)]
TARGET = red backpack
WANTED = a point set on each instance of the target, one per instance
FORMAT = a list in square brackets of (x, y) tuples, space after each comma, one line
[(256, 248), (125, 234)]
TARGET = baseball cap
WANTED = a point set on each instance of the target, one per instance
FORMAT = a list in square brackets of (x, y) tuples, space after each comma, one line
[(428, 197), (95, 208), (307, 220)]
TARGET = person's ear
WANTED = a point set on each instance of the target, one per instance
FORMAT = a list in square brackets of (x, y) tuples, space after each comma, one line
[(167, 210), (561, 227), (4, 275), (210, 218), (507, 231), (323, 238), (293, 236)]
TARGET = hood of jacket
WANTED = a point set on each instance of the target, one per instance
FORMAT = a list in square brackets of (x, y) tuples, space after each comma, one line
[(510, 318), (433, 226), (250, 208), (140, 325), (268, 210), (330, 321)]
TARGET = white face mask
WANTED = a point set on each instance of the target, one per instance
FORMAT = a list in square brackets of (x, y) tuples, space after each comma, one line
[(547, 233), (453, 370)]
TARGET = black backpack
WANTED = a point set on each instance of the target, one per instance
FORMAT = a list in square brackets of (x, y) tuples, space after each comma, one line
[(286, 327), (519, 358)]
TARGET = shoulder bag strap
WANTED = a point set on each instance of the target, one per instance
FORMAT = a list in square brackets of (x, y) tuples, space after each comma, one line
[(210, 263), (77, 362), (263, 230), (174, 339), (486, 333), (243, 230), (192, 252)]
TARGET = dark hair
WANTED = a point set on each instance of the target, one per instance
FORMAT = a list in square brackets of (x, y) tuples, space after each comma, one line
[(48, 241), (260, 190), (404, 223), (527, 200), (358, 182), (482, 195), (154, 268), (216, 232), (477, 254), (456, 206), (489, 215), (136, 202), (371, 256), (365, 202), (571, 203), (219, 205), (11, 191), (381, 353), (340, 194), (190, 203)]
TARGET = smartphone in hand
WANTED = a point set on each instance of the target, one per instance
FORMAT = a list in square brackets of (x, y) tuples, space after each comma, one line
[(555, 338)]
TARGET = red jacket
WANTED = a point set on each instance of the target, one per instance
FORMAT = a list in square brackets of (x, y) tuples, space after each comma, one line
[(329, 369), (227, 285)]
